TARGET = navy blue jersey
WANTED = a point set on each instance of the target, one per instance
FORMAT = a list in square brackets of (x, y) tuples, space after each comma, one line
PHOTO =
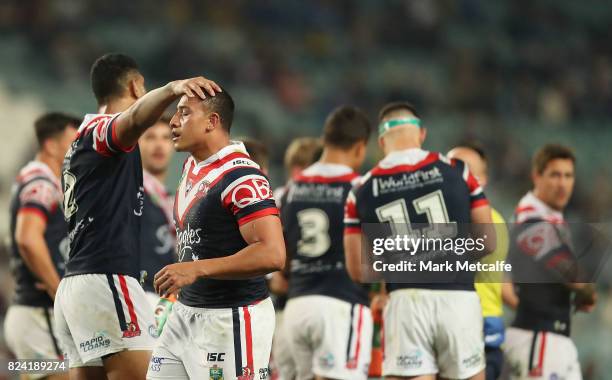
[(103, 200), (416, 187), (312, 211), (214, 198), (541, 249), (38, 190), (158, 243)]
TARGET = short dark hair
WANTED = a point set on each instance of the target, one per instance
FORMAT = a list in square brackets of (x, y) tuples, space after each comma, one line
[(52, 124), (549, 153), (223, 104), (475, 146), (395, 106), (258, 152), (345, 126), (107, 74)]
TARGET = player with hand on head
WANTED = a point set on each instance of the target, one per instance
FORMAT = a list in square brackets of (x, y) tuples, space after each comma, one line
[(420, 340), (488, 284), (229, 237), (327, 322), (538, 345), (39, 237), (103, 319)]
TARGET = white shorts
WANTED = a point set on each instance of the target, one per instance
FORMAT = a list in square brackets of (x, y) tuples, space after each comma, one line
[(433, 332), (97, 315), (29, 334), (282, 360), (543, 355), (153, 300), (230, 343), (329, 337)]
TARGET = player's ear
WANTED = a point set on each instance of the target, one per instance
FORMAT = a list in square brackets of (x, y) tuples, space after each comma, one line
[(214, 122), (381, 143), (136, 87), (423, 135)]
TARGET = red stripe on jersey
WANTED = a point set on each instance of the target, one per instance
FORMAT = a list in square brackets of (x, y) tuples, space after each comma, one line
[(30, 173), (129, 304), (480, 202), (116, 139), (216, 164), (352, 230), (350, 210), (322, 179), (472, 182), (249, 339), (257, 215), (430, 159), (33, 210), (524, 209)]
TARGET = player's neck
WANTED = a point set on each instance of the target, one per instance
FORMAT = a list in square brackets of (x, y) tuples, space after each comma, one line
[(116, 105), (335, 156), (210, 148), (397, 146), (53, 164), (160, 176)]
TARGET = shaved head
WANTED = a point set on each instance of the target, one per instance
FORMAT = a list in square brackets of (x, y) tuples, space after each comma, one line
[(473, 159)]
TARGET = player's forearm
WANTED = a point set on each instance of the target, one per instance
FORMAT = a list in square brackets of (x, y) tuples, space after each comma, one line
[(257, 259), (37, 258), (132, 123), (352, 251)]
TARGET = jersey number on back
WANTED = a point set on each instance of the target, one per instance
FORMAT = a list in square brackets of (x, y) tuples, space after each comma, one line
[(314, 225), (70, 206), (432, 205)]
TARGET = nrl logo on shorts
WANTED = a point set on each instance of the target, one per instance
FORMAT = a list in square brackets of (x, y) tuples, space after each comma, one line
[(132, 331)]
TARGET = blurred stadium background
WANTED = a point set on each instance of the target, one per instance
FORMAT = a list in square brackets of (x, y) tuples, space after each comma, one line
[(512, 74)]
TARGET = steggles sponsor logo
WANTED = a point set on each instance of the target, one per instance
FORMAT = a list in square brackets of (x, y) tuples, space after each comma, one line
[(186, 238), (413, 360), (472, 360), (419, 178)]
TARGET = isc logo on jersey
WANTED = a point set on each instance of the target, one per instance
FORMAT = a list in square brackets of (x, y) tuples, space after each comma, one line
[(251, 190)]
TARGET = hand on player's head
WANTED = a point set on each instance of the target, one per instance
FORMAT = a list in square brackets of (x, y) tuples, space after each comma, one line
[(195, 87)]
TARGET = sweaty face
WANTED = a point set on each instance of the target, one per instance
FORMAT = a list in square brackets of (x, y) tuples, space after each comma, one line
[(555, 184), (189, 124), (156, 148)]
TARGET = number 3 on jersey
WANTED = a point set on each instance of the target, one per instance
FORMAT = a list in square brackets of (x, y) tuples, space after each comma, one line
[(315, 240), (70, 206)]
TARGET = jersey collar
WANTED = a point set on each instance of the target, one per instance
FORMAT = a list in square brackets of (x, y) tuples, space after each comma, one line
[(410, 156), (531, 206), (233, 147), (324, 169)]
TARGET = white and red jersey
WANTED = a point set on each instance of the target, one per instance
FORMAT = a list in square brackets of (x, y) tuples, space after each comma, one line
[(37, 190), (214, 198), (542, 260)]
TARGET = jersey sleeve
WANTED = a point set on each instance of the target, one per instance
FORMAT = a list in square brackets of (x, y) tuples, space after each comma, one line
[(249, 197), (103, 132), (542, 242), (352, 223), (477, 195), (39, 196)]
